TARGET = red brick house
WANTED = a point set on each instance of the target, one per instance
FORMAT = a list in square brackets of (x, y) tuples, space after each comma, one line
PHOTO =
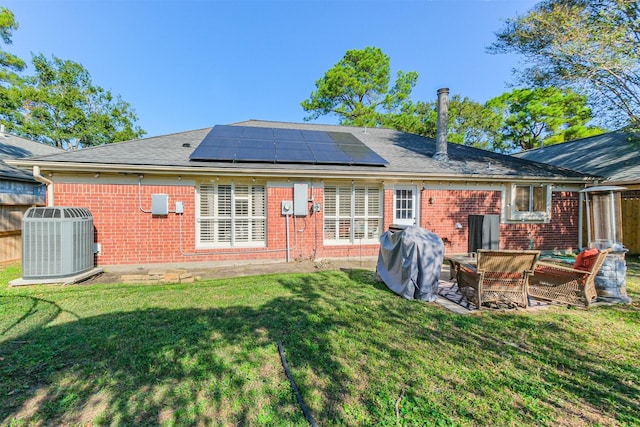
[(613, 156), (170, 199)]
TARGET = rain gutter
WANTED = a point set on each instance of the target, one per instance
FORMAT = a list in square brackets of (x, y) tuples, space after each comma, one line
[(287, 173)]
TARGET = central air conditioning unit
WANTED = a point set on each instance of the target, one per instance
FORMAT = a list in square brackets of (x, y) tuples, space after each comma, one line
[(56, 242)]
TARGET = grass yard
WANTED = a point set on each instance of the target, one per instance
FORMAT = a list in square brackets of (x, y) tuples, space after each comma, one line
[(206, 354)]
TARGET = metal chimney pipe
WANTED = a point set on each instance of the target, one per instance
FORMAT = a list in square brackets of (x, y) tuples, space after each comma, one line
[(441, 137)]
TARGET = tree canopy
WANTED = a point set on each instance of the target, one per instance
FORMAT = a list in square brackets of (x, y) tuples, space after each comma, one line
[(59, 104), (356, 89), (468, 122), (62, 107), (588, 45), (534, 117), (10, 66), (8, 62)]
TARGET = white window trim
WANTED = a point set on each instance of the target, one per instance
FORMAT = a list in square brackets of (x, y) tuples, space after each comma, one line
[(536, 216), (352, 217), (416, 204), (232, 244)]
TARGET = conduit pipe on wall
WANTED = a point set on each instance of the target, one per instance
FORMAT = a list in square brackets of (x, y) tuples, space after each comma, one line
[(288, 245), (140, 194), (315, 223), (238, 252), (38, 177)]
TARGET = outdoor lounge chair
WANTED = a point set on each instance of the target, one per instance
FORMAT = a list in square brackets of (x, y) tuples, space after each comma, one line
[(557, 283), (501, 276)]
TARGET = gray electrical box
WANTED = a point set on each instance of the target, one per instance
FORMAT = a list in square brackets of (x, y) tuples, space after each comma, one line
[(300, 199), (287, 207), (160, 204)]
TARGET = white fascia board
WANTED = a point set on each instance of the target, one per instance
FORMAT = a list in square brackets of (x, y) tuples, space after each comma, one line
[(292, 173)]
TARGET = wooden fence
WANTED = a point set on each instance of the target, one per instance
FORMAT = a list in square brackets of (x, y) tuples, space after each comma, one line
[(15, 198), (11, 232), (631, 221)]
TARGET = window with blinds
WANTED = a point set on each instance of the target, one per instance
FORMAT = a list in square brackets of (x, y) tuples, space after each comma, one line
[(530, 202), (231, 215), (352, 213)]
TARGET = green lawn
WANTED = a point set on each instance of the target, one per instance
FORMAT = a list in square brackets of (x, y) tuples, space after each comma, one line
[(206, 354)]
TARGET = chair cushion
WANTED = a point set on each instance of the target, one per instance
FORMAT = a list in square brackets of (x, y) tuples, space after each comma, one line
[(585, 259)]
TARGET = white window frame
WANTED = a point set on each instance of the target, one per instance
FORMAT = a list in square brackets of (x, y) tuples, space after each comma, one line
[(530, 215), (415, 204), (248, 208), (355, 211)]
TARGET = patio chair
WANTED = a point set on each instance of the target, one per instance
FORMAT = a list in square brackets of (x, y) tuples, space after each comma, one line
[(566, 285), (501, 276)]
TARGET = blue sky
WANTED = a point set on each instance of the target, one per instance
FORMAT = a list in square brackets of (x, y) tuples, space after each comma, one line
[(190, 64)]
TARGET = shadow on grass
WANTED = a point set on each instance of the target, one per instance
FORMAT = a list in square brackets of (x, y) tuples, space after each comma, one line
[(35, 310), (126, 363), (216, 365)]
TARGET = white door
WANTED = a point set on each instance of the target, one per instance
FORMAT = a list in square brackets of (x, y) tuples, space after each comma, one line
[(405, 205)]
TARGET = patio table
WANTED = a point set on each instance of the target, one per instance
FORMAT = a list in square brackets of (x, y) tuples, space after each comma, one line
[(455, 261)]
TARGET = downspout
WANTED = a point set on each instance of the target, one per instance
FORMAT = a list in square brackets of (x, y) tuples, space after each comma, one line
[(38, 177)]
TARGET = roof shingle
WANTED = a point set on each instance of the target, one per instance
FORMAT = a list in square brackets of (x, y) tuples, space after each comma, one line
[(614, 156), (15, 147), (406, 154)]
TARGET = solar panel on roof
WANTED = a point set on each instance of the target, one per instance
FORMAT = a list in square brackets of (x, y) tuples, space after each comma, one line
[(264, 134), (332, 156), (316, 136), (248, 153), (227, 131), (255, 144), (287, 135), (293, 153), (273, 145), (223, 149)]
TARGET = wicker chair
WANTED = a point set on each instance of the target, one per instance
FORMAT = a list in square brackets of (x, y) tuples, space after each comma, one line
[(552, 282), (501, 276)]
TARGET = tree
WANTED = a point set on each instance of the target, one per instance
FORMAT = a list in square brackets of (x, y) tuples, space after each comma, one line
[(419, 118), (469, 122), (472, 124), (10, 66), (62, 107), (532, 117), (588, 45), (59, 105), (9, 63), (356, 89)]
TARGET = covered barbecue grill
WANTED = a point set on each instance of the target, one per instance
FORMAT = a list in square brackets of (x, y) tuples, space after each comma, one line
[(410, 261)]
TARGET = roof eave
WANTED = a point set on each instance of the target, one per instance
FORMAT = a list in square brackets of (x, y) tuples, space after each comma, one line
[(287, 173)]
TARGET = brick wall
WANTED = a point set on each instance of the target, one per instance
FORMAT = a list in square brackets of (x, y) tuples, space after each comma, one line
[(561, 233), (129, 236), (125, 233), (442, 209)]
